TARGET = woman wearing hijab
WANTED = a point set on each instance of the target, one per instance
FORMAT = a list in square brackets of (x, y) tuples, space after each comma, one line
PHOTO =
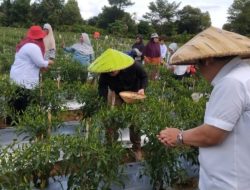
[(29, 59), (152, 52), (138, 48), (82, 51), (179, 71), (49, 42), (170, 51), (152, 56)]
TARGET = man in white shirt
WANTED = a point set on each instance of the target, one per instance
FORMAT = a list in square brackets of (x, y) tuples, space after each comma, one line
[(223, 138)]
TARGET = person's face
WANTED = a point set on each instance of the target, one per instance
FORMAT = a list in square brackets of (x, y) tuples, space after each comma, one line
[(161, 41), (114, 73), (46, 31), (156, 40), (205, 67), (171, 51), (81, 39), (137, 40)]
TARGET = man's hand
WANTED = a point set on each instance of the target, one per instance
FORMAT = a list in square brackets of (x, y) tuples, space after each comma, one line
[(202, 136), (168, 136)]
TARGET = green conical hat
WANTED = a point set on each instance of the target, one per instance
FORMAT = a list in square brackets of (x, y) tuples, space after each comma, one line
[(110, 60)]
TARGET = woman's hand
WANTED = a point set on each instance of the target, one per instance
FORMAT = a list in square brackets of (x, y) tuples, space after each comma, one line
[(63, 44), (44, 69), (141, 91), (50, 62)]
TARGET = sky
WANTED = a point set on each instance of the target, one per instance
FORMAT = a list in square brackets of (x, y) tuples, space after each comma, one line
[(216, 8)]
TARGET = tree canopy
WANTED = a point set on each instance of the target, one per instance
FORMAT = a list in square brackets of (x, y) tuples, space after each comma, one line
[(120, 4), (239, 17), (168, 19), (23, 13), (163, 17), (71, 13), (192, 20)]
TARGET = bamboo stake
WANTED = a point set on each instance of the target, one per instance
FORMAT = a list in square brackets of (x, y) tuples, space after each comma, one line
[(58, 81), (49, 122), (113, 99)]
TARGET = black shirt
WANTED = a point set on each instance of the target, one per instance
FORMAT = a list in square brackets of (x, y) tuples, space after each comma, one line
[(132, 78), (140, 47)]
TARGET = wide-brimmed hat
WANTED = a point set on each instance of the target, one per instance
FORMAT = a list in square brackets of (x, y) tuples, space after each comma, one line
[(111, 60), (154, 35), (212, 42), (35, 33)]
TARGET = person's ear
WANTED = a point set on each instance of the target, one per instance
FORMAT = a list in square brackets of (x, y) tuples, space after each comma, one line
[(209, 61)]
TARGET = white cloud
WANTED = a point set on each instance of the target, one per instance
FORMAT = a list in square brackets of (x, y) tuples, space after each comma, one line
[(216, 8), (90, 8)]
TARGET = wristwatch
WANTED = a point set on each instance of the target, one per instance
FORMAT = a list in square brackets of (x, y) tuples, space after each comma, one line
[(179, 139)]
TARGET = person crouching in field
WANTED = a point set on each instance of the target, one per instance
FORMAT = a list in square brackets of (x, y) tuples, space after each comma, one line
[(120, 73)]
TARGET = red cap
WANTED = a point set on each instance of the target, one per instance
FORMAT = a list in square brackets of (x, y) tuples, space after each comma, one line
[(35, 33)]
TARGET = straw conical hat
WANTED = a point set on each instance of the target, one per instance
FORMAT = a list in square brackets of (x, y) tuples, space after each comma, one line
[(111, 60), (212, 42)]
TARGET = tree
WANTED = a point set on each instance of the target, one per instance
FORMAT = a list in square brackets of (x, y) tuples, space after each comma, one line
[(21, 13), (162, 15), (132, 27), (120, 4), (192, 20), (119, 27), (6, 11), (145, 28), (47, 11), (239, 17), (71, 13), (93, 21), (109, 15), (16, 13)]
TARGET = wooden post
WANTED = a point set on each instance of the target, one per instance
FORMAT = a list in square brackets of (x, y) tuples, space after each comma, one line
[(41, 83), (58, 81), (113, 99), (49, 122), (88, 120)]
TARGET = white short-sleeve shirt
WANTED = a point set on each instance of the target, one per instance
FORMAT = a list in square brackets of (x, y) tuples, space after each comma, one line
[(227, 166), (180, 69), (164, 50)]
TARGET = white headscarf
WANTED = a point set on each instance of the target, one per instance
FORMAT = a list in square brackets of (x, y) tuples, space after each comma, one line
[(49, 40), (85, 47), (173, 47)]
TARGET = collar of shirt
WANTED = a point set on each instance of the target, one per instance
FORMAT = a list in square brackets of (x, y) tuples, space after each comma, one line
[(226, 69)]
